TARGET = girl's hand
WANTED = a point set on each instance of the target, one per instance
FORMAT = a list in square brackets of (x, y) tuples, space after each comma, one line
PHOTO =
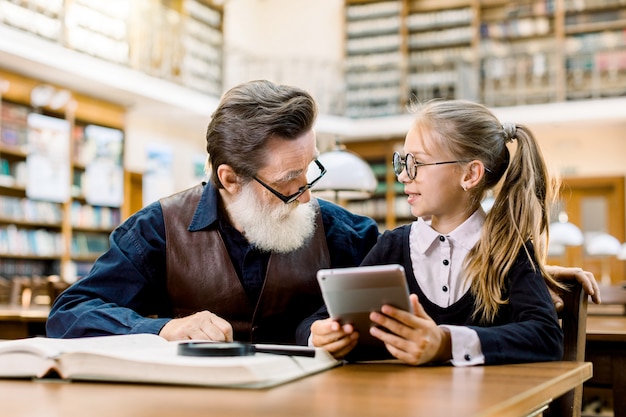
[(586, 278), (337, 339), (412, 338)]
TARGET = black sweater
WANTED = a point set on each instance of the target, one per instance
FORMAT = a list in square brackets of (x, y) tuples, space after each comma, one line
[(525, 330)]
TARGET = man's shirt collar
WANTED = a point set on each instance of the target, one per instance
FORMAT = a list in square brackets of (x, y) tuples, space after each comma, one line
[(207, 212)]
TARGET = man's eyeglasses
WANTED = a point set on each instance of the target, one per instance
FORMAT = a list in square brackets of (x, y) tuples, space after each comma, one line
[(409, 163), (318, 171)]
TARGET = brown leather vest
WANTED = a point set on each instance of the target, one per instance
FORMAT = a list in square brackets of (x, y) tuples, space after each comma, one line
[(200, 276)]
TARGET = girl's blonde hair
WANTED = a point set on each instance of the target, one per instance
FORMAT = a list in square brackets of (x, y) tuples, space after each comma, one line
[(520, 213)]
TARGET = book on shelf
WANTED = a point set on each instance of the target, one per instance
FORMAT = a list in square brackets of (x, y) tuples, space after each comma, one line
[(13, 125), (148, 358)]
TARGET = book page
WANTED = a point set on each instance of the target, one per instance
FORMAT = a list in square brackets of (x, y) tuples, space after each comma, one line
[(51, 347), (147, 358), (34, 357), (24, 364), (163, 365), (323, 360)]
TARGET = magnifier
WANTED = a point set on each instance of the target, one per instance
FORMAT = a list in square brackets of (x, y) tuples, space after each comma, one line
[(217, 349)]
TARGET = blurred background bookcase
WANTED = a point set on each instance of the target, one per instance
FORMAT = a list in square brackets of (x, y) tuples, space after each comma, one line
[(46, 242), (175, 40), (388, 204), (498, 52)]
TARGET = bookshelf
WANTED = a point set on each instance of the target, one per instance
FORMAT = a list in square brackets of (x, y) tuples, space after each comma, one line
[(595, 48), (202, 42), (175, 40), (498, 52), (520, 53), (373, 58), (61, 234), (387, 206), (441, 38)]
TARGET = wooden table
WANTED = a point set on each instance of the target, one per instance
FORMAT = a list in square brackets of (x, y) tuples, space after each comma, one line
[(613, 294), (613, 300), (606, 348), (351, 390)]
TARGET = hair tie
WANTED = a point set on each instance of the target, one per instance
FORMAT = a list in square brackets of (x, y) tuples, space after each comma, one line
[(510, 130)]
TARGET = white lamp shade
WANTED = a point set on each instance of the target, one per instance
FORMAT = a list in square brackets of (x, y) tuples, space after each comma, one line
[(565, 234), (603, 244), (621, 255), (347, 176), (555, 249)]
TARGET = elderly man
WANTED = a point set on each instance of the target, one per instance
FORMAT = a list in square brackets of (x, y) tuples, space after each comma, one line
[(232, 259)]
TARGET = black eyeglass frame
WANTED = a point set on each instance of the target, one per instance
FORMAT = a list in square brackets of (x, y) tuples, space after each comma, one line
[(293, 197), (400, 164)]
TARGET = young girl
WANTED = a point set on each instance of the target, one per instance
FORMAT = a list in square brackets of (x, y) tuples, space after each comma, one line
[(477, 281)]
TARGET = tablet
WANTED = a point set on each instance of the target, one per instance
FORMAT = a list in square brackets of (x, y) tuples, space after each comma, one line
[(350, 294)]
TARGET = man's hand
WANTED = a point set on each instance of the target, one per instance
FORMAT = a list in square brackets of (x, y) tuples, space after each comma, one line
[(586, 278), (203, 325)]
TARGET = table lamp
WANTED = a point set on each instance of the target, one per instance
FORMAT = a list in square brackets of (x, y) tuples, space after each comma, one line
[(563, 234), (348, 177), (621, 255), (605, 246)]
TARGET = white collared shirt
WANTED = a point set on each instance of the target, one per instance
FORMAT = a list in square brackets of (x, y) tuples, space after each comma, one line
[(437, 265)]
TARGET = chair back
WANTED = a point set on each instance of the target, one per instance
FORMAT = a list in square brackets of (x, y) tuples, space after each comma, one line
[(574, 323)]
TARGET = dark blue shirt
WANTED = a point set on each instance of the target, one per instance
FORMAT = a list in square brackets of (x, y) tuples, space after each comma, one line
[(126, 292)]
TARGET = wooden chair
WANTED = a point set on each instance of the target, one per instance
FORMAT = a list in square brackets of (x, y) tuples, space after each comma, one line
[(574, 323), (55, 287)]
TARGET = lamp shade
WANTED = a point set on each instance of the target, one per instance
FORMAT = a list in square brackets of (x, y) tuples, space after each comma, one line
[(347, 176), (555, 249), (621, 255), (565, 234), (603, 244)]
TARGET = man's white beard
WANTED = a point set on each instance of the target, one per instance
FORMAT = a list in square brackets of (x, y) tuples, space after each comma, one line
[(272, 228)]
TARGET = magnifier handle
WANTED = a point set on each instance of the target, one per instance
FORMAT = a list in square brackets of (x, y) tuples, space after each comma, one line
[(213, 349)]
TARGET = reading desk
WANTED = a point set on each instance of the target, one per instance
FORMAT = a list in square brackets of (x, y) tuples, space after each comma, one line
[(606, 348), (606, 344), (353, 390)]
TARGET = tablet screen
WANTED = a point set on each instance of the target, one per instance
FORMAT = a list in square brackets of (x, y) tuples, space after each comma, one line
[(351, 294)]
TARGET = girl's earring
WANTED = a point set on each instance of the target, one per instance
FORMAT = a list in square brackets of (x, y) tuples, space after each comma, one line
[(464, 187)]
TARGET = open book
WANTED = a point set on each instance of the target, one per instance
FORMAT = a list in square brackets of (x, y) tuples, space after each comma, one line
[(148, 358)]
